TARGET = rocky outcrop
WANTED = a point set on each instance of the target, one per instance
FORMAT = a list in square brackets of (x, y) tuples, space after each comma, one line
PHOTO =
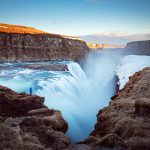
[(18, 43), (125, 123), (26, 124), (139, 47)]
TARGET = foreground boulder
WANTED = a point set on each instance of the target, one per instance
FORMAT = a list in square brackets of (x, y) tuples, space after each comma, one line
[(125, 123), (26, 124), (13, 104)]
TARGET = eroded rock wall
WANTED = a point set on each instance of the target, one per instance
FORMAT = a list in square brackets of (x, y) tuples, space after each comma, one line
[(139, 47), (37, 47), (26, 124), (125, 123)]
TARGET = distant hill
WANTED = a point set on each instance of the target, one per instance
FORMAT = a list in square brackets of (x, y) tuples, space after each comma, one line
[(115, 38)]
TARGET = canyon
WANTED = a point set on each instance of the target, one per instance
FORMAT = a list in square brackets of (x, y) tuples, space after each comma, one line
[(125, 123), (27, 123)]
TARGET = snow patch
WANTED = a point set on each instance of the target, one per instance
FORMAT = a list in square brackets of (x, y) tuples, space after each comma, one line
[(128, 66)]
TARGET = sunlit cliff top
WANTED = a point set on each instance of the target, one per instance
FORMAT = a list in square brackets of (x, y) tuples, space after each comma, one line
[(9, 28), (19, 29)]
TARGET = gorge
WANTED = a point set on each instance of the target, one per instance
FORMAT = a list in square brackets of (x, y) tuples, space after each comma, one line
[(50, 65), (74, 88)]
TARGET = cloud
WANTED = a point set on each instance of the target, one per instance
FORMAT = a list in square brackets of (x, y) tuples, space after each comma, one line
[(117, 34), (118, 38)]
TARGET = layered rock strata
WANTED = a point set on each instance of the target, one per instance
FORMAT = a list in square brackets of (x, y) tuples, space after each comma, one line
[(139, 47), (19, 43)]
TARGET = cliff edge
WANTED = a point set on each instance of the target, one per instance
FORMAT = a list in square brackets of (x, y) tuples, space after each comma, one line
[(19, 43), (125, 123), (139, 47), (27, 124)]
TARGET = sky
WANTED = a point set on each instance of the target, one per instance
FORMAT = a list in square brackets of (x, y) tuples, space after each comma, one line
[(79, 17)]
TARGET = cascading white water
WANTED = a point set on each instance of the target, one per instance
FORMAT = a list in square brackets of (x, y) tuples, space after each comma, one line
[(78, 94)]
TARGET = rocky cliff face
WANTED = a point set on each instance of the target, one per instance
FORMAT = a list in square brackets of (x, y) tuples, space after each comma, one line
[(125, 123), (139, 47), (26, 124), (18, 43)]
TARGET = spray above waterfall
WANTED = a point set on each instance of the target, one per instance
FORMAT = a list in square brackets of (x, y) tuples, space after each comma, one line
[(77, 93)]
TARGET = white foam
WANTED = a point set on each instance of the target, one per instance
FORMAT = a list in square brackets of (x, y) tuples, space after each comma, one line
[(129, 65)]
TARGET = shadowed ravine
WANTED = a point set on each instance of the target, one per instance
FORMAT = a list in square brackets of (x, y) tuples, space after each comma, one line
[(78, 93)]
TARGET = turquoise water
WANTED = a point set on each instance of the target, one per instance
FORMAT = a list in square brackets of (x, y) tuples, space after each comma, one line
[(78, 93)]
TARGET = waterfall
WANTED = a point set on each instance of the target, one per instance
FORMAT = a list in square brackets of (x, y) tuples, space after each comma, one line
[(79, 94)]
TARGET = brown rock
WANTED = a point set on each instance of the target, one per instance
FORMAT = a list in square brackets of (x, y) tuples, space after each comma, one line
[(58, 140), (44, 111), (13, 104), (22, 128), (142, 107), (11, 138), (81, 147), (111, 140), (125, 123), (18, 43)]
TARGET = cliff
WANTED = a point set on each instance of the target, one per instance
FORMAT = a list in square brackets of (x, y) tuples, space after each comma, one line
[(26, 124), (19, 43), (139, 47), (125, 123)]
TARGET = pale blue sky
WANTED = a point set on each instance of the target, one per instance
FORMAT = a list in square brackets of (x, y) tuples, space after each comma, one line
[(79, 17)]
